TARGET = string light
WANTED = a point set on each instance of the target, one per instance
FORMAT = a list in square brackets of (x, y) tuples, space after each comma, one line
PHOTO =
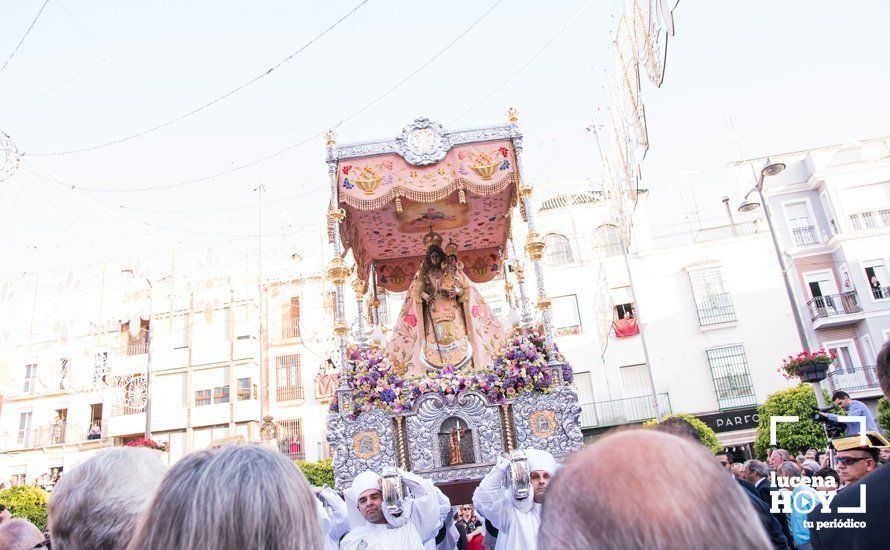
[(214, 101), (22, 41)]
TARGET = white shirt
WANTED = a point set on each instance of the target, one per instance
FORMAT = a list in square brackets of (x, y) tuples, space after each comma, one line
[(333, 518), (423, 523), (517, 529)]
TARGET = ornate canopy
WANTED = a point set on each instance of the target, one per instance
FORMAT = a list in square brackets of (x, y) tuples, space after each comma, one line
[(460, 184)]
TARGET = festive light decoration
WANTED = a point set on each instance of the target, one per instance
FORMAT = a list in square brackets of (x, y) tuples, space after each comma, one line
[(9, 156)]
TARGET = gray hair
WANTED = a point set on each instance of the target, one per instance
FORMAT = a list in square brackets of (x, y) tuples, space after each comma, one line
[(234, 496), (647, 511), (96, 504), (19, 534), (757, 467), (788, 469)]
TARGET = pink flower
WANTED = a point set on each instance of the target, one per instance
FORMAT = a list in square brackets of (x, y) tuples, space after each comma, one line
[(477, 311), (411, 320)]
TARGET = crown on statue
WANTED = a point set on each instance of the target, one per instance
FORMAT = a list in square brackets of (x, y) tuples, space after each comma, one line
[(432, 239), (451, 248)]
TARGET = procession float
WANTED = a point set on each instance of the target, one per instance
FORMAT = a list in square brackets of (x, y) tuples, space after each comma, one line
[(451, 387)]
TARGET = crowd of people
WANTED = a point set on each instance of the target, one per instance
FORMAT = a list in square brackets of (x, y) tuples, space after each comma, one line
[(632, 488)]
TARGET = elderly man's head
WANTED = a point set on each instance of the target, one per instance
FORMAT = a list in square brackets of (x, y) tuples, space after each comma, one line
[(97, 503), (754, 470), (855, 464), (19, 534), (788, 470), (647, 511), (777, 457)]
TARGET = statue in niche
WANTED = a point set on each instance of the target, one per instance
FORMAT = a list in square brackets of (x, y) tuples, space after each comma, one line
[(456, 443)]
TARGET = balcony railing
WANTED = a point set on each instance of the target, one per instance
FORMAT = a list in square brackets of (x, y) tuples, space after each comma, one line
[(623, 411), (833, 305), (852, 379), (134, 348), (44, 436), (805, 236), (290, 328), (870, 219), (880, 293), (289, 393)]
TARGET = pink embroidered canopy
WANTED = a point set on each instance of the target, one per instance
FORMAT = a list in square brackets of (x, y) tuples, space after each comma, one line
[(459, 184)]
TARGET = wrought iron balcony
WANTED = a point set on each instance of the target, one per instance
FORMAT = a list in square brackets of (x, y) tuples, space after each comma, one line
[(290, 328), (852, 379), (623, 411), (45, 436), (833, 305), (289, 393), (880, 292), (805, 236)]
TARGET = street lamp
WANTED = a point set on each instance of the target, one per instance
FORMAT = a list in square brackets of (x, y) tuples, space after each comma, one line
[(771, 169), (131, 273)]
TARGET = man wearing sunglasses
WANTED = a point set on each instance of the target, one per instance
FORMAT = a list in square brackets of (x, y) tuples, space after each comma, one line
[(855, 464)]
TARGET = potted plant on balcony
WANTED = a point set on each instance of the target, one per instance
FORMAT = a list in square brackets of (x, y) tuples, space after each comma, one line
[(808, 366), (148, 443)]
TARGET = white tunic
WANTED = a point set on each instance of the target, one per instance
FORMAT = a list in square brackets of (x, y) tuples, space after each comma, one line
[(423, 523), (333, 518), (517, 529), (446, 519)]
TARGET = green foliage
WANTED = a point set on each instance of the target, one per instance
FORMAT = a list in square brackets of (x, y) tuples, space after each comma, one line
[(884, 415), (318, 473), (702, 431), (795, 437), (26, 502)]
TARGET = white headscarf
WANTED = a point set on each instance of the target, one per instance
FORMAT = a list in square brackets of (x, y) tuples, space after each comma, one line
[(362, 482), (541, 461)]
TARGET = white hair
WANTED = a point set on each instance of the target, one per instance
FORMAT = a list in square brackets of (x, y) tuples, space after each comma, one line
[(600, 499), (96, 504), (234, 496), (19, 534)]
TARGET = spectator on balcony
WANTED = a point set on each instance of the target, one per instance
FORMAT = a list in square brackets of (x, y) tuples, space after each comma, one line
[(876, 289), (683, 501), (232, 496), (854, 408), (19, 534), (95, 431), (97, 504)]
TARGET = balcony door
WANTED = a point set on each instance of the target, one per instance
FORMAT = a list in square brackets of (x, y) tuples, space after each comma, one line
[(637, 404), (846, 373), (800, 222), (823, 291)]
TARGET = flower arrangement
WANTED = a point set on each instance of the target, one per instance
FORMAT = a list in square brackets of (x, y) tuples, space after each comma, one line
[(149, 443), (791, 365), (520, 367)]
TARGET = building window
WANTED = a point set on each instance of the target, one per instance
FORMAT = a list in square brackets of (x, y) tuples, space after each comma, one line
[(202, 397), (289, 385), (290, 438), (558, 250), (30, 385), (290, 318), (713, 302), (606, 241), (24, 438), (732, 379), (566, 319), (624, 311), (180, 332), (878, 279), (802, 228), (246, 390), (221, 394), (134, 345)]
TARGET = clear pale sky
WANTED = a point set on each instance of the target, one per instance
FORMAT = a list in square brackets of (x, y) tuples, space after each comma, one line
[(792, 74)]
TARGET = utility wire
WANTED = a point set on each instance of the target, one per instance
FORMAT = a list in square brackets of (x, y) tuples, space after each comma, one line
[(27, 32), (211, 102)]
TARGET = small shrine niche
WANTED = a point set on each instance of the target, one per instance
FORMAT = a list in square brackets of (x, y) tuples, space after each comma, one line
[(456, 442)]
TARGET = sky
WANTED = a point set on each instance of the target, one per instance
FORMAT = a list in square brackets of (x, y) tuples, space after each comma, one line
[(786, 75)]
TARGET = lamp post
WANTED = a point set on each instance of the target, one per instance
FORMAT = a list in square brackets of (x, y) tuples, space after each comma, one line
[(148, 353), (771, 169)]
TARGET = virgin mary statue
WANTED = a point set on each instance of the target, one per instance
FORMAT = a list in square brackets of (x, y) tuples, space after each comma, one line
[(444, 320)]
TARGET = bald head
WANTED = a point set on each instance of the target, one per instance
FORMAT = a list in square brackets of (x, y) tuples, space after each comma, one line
[(19, 534), (601, 499)]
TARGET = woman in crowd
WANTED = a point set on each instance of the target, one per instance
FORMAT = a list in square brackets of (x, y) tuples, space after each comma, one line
[(471, 525), (234, 496)]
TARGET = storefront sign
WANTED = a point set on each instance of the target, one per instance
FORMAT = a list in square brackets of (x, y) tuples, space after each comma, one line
[(730, 421)]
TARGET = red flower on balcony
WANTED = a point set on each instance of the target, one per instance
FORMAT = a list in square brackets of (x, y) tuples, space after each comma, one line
[(149, 443)]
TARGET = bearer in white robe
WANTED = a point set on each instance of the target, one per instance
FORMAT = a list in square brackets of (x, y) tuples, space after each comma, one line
[(332, 516), (370, 529), (517, 521), (447, 530)]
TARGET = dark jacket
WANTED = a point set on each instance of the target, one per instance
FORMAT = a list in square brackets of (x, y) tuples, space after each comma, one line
[(770, 523), (875, 533)]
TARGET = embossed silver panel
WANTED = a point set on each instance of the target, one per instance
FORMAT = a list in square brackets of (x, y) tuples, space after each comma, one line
[(563, 402), (341, 433)]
